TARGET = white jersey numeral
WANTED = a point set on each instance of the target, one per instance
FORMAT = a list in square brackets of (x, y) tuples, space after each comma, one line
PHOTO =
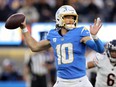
[(61, 53)]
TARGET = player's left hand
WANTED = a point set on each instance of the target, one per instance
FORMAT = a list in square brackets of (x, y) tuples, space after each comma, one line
[(95, 28), (99, 57)]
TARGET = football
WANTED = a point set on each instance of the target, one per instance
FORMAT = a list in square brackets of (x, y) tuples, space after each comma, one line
[(14, 21)]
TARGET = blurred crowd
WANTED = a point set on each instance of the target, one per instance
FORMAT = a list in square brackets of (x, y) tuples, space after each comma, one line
[(38, 69), (9, 71), (44, 10)]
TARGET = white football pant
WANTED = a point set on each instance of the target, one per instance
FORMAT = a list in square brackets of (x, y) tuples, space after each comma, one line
[(80, 82)]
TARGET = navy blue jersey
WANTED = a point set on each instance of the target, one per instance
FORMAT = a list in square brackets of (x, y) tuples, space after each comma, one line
[(69, 52)]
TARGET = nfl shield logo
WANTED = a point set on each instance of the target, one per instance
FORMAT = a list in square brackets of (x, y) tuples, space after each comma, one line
[(54, 39)]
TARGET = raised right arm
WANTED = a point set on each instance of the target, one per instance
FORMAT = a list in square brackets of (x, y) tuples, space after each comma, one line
[(34, 45), (31, 42)]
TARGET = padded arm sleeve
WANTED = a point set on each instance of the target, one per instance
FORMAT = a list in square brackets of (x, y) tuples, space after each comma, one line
[(96, 45)]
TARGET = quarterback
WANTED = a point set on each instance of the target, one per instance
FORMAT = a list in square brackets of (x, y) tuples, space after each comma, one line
[(69, 45)]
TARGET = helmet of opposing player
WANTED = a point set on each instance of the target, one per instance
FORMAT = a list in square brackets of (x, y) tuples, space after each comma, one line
[(111, 50), (65, 11)]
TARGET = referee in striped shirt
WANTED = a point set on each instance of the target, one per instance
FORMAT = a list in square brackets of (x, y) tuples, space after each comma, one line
[(36, 69)]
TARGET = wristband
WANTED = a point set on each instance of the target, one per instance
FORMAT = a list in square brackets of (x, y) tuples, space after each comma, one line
[(94, 37), (86, 65), (24, 30)]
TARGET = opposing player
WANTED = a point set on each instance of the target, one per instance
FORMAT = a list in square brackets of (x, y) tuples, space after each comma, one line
[(106, 65), (69, 44)]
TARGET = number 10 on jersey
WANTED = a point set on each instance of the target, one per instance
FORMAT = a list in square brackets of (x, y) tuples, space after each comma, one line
[(65, 53)]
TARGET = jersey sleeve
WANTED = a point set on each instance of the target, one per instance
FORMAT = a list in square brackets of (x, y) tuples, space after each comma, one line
[(85, 32), (96, 45)]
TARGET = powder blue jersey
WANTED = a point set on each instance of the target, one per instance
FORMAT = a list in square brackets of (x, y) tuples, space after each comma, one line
[(69, 52)]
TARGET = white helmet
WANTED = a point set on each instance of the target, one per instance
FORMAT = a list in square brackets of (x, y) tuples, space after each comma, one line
[(64, 11)]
